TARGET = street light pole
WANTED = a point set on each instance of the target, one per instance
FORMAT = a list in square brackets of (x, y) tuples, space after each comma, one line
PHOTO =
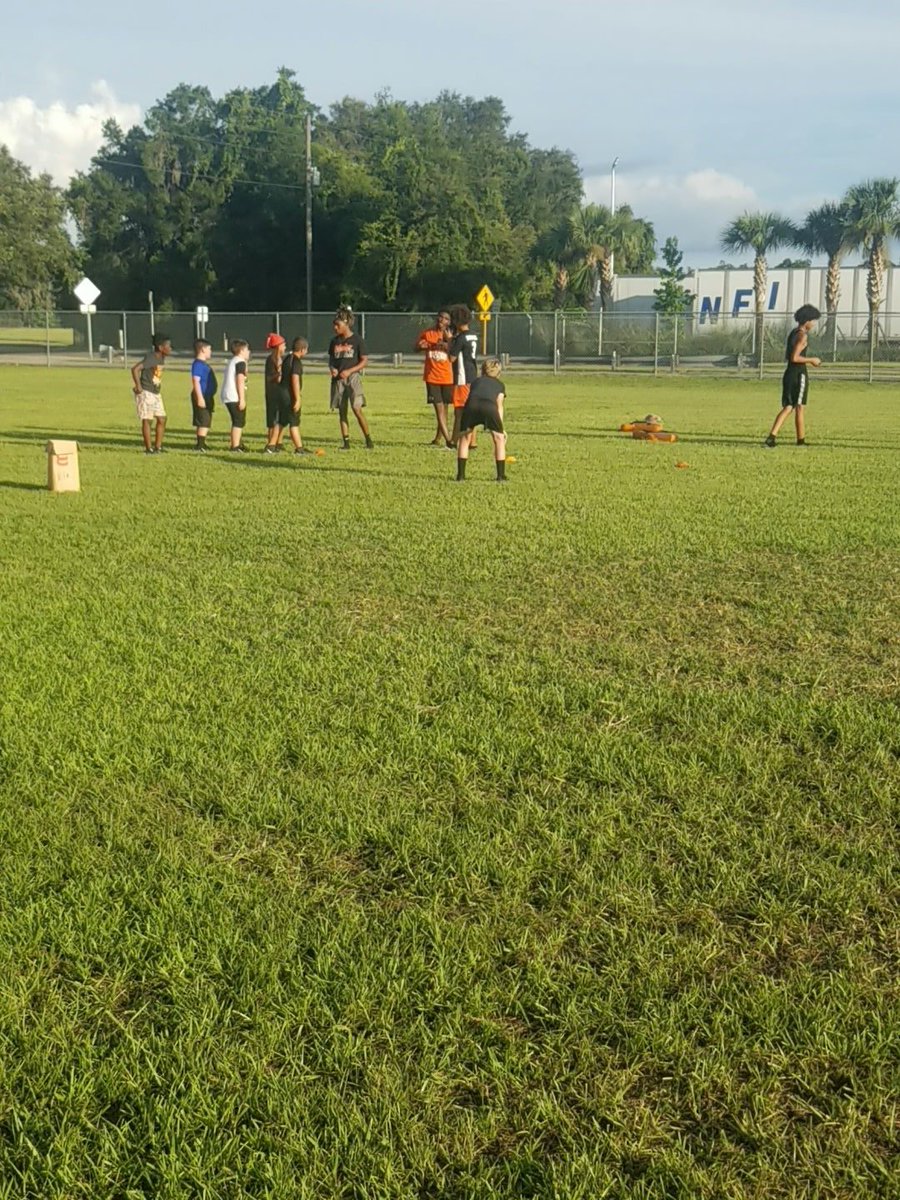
[(612, 208), (309, 227)]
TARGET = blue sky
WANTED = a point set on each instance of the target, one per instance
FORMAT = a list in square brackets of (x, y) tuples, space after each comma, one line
[(711, 107)]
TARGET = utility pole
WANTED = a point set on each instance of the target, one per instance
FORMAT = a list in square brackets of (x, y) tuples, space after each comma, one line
[(309, 227), (612, 207)]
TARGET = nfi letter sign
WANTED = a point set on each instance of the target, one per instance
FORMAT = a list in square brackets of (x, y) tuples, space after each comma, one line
[(711, 309)]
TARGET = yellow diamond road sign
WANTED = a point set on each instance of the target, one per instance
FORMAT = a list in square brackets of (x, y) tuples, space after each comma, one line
[(485, 298)]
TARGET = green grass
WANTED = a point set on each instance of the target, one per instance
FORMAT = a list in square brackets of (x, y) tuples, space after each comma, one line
[(368, 836), (27, 336)]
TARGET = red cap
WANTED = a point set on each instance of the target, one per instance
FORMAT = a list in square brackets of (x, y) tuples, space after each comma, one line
[(273, 340)]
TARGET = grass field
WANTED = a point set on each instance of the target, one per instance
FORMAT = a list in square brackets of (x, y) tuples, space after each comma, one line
[(33, 336), (364, 835)]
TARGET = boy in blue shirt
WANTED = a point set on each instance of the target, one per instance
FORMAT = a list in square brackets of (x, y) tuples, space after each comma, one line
[(204, 386)]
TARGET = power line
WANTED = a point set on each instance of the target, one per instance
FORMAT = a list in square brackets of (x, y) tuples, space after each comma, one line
[(287, 187)]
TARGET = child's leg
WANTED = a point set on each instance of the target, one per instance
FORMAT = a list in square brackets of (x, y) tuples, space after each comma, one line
[(363, 423), (499, 453), (160, 430), (295, 436), (800, 422), (779, 421), (235, 436), (274, 438), (457, 417), (462, 454), (443, 434), (345, 428), (145, 434)]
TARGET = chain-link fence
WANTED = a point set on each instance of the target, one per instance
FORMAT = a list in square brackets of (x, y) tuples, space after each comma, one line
[(556, 341)]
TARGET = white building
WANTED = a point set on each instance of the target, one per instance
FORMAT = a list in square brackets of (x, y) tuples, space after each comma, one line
[(724, 295)]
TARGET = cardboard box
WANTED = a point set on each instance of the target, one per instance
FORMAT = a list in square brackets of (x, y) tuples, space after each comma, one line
[(62, 467)]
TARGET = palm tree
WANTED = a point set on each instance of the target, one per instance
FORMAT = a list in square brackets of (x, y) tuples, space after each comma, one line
[(827, 230), (759, 232), (595, 234), (874, 218)]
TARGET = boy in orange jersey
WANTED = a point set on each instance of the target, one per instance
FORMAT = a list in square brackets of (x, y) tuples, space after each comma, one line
[(438, 374)]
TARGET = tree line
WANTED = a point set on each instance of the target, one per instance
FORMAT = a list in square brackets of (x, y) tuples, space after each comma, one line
[(416, 203), (204, 202)]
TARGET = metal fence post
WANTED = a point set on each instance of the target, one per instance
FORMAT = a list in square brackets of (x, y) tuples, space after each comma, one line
[(873, 328), (600, 335), (675, 347), (656, 345), (125, 339), (556, 341), (278, 322), (834, 338), (762, 346)]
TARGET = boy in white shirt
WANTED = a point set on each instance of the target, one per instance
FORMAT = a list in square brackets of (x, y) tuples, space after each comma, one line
[(234, 392)]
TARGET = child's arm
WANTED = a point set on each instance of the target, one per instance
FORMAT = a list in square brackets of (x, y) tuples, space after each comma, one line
[(240, 383), (348, 371), (136, 376), (295, 392), (198, 391)]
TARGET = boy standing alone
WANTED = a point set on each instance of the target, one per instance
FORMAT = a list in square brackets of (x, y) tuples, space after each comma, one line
[(147, 376), (484, 407), (795, 381)]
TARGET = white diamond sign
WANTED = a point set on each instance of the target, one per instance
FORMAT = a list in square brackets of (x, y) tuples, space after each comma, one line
[(86, 291)]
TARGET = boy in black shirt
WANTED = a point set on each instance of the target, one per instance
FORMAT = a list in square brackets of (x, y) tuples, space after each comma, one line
[(346, 359), (484, 407), (462, 352), (795, 381)]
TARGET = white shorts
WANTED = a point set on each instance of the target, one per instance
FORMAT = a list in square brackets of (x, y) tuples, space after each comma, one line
[(148, 406)]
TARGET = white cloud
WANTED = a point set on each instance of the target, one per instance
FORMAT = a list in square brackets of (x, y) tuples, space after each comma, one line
[(694, 207), (57, 139)]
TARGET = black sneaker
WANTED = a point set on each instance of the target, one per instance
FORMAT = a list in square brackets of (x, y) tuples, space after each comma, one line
[(770, 441), (302, 450), (149, 451), (160, 450), (344, 446), (238, 449), (270, 450), (200, 448), (801, 441), (370, 445)]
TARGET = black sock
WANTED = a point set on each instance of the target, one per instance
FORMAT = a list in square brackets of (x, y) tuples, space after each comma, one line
[(460, 469), (501, 468)]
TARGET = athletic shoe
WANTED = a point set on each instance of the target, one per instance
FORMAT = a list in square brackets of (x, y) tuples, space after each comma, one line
[(201, 449), (238, 449), (801, 441), (270, 450), (302, 450), (149, 451), (343, 447), (370, 445), (160, 450), (770, 441)]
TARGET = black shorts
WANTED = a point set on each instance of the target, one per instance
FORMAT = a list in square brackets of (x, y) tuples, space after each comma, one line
[(238, 416), (201, 418), (794, 387), (279, 411), (439, 393), (481, 412)]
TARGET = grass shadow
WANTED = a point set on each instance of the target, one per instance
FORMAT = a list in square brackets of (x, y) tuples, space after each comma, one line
[(22, 487)]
